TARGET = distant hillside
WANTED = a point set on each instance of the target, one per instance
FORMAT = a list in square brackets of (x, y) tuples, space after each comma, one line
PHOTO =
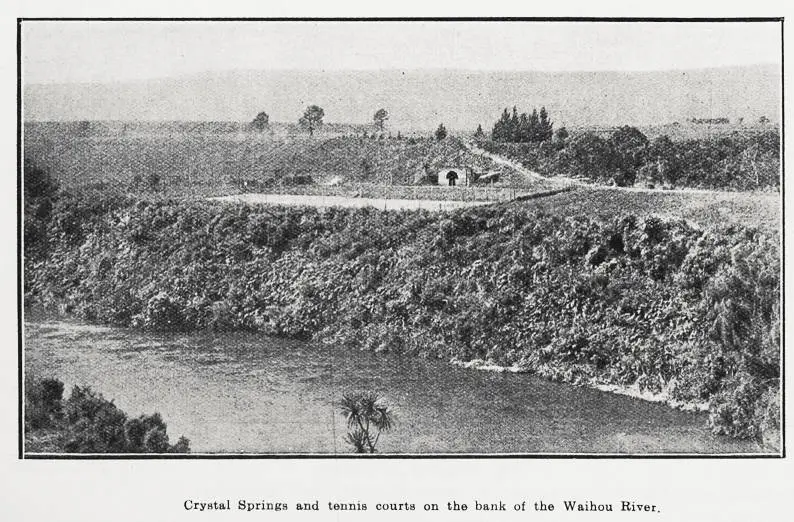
[(420, 100)]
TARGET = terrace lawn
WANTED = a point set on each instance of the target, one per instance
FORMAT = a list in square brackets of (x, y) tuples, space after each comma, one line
[(703, 208)]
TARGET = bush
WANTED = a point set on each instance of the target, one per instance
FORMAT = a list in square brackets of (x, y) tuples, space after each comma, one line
[(43, 406), (651, 302), (735, 162), (87, 423)]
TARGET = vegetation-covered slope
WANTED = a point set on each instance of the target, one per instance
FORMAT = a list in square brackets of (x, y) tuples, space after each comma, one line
[(689, 313)]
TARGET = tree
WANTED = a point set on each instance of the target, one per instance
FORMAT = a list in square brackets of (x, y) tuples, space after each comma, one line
[(524, 132), (380, 119), (533, 132), (587, 155), (562, 134), (479, 134), (312, 118), (523, 128), (261, 122), (514, 125), (441, 132), (367, 417), (544, 126), (631, 147), (666, 164), (501, 129)]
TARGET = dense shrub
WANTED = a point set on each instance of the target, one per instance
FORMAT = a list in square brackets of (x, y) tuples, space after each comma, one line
[(87, 423), (734, 162), (40, 192), (658, 304)]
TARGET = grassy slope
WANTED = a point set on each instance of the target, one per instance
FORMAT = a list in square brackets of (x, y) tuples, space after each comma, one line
[(201, 163)]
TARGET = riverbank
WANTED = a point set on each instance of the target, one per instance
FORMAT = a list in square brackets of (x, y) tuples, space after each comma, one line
[(237, 392), (646, 303)]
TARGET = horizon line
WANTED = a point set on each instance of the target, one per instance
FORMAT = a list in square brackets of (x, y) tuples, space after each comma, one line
[(205, 73)]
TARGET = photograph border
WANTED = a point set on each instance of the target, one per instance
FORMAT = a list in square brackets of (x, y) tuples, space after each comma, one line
[(422, 456)]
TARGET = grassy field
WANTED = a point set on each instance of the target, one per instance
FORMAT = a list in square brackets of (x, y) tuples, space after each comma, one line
[(705, 209), (216, 160)]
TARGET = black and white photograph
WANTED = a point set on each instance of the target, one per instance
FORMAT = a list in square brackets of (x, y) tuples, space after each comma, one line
[(388, 238)]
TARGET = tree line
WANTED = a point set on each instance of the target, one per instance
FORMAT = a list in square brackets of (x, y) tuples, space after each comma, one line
[(312, 120), (522, 128), (627, 157)]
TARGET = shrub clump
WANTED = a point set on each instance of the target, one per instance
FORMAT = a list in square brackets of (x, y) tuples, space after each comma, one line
[(88, 423)]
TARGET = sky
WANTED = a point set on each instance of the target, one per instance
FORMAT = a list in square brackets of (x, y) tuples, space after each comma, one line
[(107, 52)]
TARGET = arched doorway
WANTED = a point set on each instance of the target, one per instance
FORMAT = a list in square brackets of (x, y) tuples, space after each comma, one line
[(452, 178)]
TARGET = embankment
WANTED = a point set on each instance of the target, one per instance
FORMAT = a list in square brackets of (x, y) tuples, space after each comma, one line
[(658, 305)]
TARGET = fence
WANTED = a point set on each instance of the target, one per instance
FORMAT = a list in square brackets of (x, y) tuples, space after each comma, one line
[(375, 191)]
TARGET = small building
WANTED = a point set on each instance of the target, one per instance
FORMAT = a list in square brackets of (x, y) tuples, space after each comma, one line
[(454, 176)]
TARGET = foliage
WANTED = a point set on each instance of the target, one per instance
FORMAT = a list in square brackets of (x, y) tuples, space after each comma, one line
[(380, 117), (43, 407), (441, 132), (571, 296), (87, 423), (312, 118), (261, 121), (533, 128), (40, 194), (591, 154), (367, 416), (749, 161), (561, 134)]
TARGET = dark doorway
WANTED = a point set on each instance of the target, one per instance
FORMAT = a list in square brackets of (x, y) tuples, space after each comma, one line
[(452, 177)]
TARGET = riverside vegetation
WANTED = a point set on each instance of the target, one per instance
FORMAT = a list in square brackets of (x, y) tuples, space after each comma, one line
[(691, 314), (88, 423)]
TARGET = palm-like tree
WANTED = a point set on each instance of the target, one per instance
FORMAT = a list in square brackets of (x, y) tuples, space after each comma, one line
[(367, 417)]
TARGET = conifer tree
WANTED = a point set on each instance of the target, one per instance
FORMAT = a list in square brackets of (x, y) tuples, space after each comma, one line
[(545, 126)]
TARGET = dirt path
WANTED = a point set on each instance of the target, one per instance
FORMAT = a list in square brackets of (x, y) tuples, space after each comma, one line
[(531, 175), (571, 182)]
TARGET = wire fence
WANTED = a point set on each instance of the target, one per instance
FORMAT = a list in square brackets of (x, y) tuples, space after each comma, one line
[(402, 192)]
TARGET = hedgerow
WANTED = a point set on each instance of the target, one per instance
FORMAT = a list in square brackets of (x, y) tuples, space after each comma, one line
[(689, 313)]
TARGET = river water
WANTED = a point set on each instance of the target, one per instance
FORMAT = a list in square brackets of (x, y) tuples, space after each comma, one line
[(247, 393)]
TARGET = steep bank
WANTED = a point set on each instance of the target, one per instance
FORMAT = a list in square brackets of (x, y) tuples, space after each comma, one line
[(651, 303)]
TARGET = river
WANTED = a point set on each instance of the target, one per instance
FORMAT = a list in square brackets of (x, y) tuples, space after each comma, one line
[(247, 393)]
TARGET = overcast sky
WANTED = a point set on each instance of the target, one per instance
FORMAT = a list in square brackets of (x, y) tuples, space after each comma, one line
[(117, 51)]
